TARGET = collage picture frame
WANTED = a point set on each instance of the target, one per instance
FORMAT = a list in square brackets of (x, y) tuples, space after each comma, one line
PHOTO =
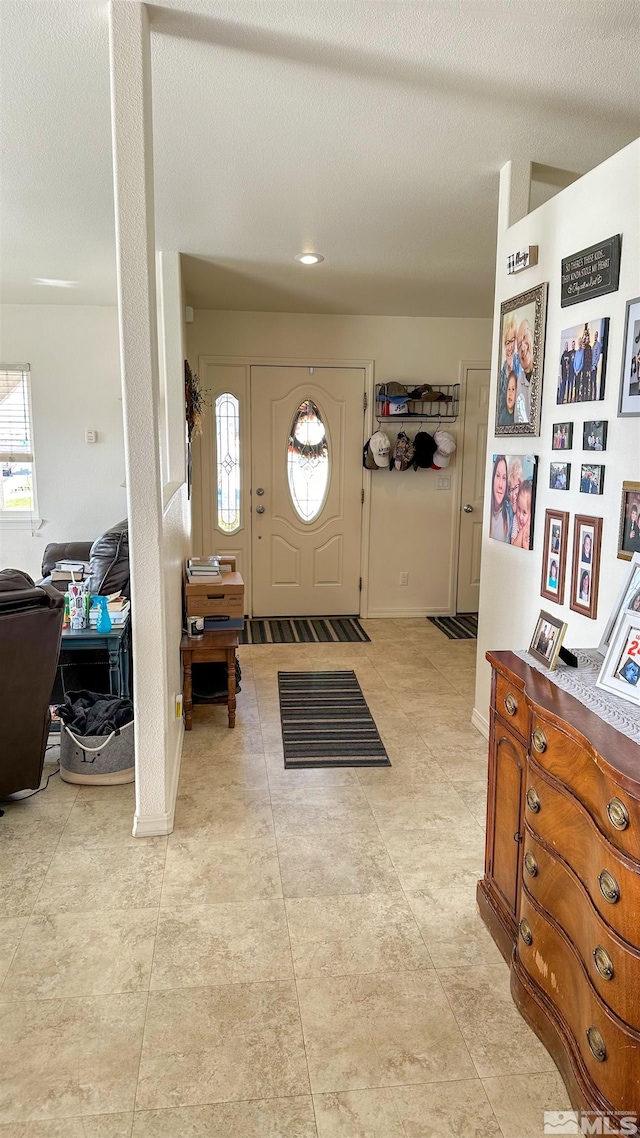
[(585, 569), (554, 557)]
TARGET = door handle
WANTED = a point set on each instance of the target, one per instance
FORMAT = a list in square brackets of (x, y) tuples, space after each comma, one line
[(468, 509), (259, 509)]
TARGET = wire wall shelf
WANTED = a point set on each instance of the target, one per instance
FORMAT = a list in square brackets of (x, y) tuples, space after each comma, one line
[(445, 408)]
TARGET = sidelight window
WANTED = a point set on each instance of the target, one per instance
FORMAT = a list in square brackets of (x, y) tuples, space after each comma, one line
[(308, 461), (227, 411)]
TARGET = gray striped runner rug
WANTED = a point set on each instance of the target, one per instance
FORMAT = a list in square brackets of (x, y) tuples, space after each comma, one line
[(304, 630), (464, 626), (326, 722)]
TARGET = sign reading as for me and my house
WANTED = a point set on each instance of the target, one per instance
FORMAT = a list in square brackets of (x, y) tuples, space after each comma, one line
[(591, 272)]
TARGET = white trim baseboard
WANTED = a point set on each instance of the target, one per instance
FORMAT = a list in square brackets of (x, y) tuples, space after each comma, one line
[(159, 825), (480, 723)]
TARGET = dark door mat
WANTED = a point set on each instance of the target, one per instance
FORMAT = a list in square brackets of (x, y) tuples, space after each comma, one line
[(464, 626), (304, 630), (326, 722)]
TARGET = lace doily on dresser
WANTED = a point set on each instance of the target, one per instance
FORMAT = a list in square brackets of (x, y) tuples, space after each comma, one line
[(580, 682)]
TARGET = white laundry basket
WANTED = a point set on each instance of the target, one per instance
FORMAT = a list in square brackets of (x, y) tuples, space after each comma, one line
[(98, 760)]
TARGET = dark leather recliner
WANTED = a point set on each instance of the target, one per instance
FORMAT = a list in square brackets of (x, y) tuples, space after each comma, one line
[(30, 629), (108, 557)]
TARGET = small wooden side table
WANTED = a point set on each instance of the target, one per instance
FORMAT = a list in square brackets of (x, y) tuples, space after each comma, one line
[(212, 648)]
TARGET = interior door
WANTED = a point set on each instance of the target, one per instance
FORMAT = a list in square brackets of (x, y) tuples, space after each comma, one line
[(306, 490), (473, 470)]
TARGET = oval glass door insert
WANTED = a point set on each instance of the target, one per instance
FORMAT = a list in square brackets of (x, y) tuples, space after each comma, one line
[(308, 461)]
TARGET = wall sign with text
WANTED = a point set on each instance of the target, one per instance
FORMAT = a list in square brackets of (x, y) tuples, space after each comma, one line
[(591, 272), (523, 259)]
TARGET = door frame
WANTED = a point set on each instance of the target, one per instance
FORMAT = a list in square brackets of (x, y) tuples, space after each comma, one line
[(464, 367), (247, 362)]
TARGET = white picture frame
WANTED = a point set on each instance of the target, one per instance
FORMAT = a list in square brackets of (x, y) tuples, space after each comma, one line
[(627, 594), (620, 671)]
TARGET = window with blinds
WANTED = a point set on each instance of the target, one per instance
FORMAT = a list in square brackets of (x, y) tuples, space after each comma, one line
[(17, 483)]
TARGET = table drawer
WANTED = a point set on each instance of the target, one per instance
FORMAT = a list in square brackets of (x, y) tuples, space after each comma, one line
[(616, 812), (613, 966), (609, 1049), (611, 880), (228, 603), (511, 706)]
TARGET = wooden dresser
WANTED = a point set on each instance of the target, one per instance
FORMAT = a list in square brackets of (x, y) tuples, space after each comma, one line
[(561, 891)]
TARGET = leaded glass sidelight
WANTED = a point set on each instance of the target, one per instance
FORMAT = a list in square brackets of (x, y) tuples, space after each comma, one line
[(308, 461), (228, 462)]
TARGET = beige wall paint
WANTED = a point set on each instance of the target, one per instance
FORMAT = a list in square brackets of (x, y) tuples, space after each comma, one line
[(75, 387), (412, 523), (602, 203)]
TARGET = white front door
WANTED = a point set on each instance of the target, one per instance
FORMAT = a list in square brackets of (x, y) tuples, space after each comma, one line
[(473, 469), (306, 484)]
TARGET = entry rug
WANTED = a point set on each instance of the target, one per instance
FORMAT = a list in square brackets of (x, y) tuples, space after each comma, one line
[(464, 626), (326, 722), (304, 630)]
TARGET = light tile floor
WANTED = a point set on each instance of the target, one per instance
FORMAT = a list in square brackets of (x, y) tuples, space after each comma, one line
[(301, 958)]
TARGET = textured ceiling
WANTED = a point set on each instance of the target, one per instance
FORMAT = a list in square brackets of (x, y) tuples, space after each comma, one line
[(372, 132)]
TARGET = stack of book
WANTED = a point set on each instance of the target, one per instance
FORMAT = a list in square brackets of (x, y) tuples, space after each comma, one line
[(203, 569), (67, 571), (118, 608)]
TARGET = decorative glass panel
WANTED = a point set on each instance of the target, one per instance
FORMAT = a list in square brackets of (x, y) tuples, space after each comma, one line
[(308, 461), (228, 462)]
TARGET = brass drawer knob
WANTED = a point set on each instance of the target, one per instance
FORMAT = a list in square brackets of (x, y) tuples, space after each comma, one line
[(596, 1044), (603, 962), (609, 887), (530, 864), (533, 800), (539, 740), (511, 703), (618, 814), (525, 931)]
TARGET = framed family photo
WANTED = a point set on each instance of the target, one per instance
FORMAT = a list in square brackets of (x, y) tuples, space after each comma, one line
[(585, 571), (519, 390), (630, 377), (591, 478), (628, 598), (562, 437), (513, 497), (554, 557), (629, 531), (547, 638), (559, 475), (583, 362), (620, 672), (594, 435)]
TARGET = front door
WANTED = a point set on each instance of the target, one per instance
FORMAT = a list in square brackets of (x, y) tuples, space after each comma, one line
[(306, 490), (474, 449)]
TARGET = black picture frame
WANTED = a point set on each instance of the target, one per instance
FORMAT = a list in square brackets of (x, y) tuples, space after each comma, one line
[(629, 402), (562, 436), (592, 475), (559, 472), (598, 429)]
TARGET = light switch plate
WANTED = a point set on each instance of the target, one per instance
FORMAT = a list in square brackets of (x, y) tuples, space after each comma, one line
[(443, 482)]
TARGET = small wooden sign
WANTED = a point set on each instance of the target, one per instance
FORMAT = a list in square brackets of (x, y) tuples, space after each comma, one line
[(523, 259), (591, 272)]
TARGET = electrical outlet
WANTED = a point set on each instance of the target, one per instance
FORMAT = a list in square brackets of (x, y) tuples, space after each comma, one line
[(178, 706), (404, 578)]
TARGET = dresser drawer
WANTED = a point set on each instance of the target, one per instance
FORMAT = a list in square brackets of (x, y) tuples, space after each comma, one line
[(511, 706), (609, 1050), (611, 880), (612, 966), (616, 812)]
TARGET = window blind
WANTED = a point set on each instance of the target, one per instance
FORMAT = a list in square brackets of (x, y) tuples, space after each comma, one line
[(16, 444)]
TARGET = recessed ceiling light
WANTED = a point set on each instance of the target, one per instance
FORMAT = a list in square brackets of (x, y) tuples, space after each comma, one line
[(308, 258), (53, 283)]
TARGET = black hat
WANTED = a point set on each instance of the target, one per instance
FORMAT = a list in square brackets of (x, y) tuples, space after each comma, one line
[(425, 447)]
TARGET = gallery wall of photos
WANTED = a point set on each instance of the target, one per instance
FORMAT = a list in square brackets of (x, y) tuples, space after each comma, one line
[(581, 367)]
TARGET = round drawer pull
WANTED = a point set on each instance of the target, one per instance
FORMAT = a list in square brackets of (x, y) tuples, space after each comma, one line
[(530, 864), (533, 801), (525, 931), (609, 887), (618, 814), (603, 962), (539, 740), (596, 1044), (511, 703)]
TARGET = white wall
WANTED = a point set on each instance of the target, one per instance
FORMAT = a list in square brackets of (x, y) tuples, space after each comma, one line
[(411, 523), (75, 378), (602, 203)]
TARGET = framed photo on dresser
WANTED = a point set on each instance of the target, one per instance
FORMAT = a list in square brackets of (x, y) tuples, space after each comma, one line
[(554, 557), (585, 570), (620, 672), (628, 598)]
